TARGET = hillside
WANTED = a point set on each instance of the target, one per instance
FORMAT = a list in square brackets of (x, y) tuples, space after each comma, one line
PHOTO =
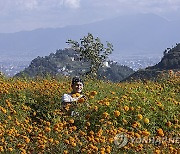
[(170, 63), (68, 63)]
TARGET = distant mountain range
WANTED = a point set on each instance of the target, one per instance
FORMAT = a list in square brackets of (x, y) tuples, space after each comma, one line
[(137, 34)]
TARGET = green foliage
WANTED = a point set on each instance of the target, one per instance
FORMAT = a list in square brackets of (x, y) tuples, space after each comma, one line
[(93, 50)]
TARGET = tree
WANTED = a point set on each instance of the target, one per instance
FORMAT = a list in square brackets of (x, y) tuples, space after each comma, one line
[(92, 50)]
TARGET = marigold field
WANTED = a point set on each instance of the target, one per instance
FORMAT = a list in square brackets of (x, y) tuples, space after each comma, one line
[(32, 119)]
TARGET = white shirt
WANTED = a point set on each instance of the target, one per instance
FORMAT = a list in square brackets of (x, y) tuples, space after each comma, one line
[(69, 98)]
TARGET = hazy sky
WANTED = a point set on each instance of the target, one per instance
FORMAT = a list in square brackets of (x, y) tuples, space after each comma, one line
[(17, 15)]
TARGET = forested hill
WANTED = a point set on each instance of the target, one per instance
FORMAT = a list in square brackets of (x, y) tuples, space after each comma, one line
[(169, 62), (67, 62)]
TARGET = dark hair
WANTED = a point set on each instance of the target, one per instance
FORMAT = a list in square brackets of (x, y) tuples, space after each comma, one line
[(77, 79)]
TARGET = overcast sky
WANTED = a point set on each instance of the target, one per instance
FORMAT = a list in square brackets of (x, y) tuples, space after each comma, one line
[(17, 15)]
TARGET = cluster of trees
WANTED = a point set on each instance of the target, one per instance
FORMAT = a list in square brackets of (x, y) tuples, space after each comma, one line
[(86, 57)]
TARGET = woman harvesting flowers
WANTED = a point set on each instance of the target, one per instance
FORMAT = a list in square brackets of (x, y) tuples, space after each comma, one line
[(76, 95)]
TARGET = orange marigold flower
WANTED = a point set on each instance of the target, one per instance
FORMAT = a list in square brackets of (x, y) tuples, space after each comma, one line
[(10, 149), (145, 133), (160, 132), (116, 113), (157, 151), (47, 129), (78, 94), (71, 121), (65, 152), (95, 108), (139, 116), (81, 100), (93, 93), (1, 149), (126, 108), (168, 124), (42, 146)]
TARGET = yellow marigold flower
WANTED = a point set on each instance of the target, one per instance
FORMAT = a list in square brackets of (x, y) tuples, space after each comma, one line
[(126, 108), (66, 141), (135, 124), (137, 135), (88, 123), (102, 149), (159, 104), (56, 142), (168, 124), (95, 108), (23, 151), (10, 149), (71, 121), (83, 150), (111, 140), (116, 113), (106, 103), (3, 110), (157, 151), (65, 152), (81, 133), (145, 133), (48, 123), (95, 148), (146, 120), (81, 100), (1, 149), (51, 140), (93, 93), (139, 116), (124, 121), (42, 146), (91, 97), (105, 115), (102, 152), (34, 113), (73, 144), (47, 129), (78, 94), (108, 149), (131, 108), (27, 140), (138, 108), (113, 93), (160, 132), (91, 132), (28, 130), (73, 95), (171, 149)]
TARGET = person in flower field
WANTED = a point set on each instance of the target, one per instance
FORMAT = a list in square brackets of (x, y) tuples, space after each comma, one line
[(76, 96), (77, 87)]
